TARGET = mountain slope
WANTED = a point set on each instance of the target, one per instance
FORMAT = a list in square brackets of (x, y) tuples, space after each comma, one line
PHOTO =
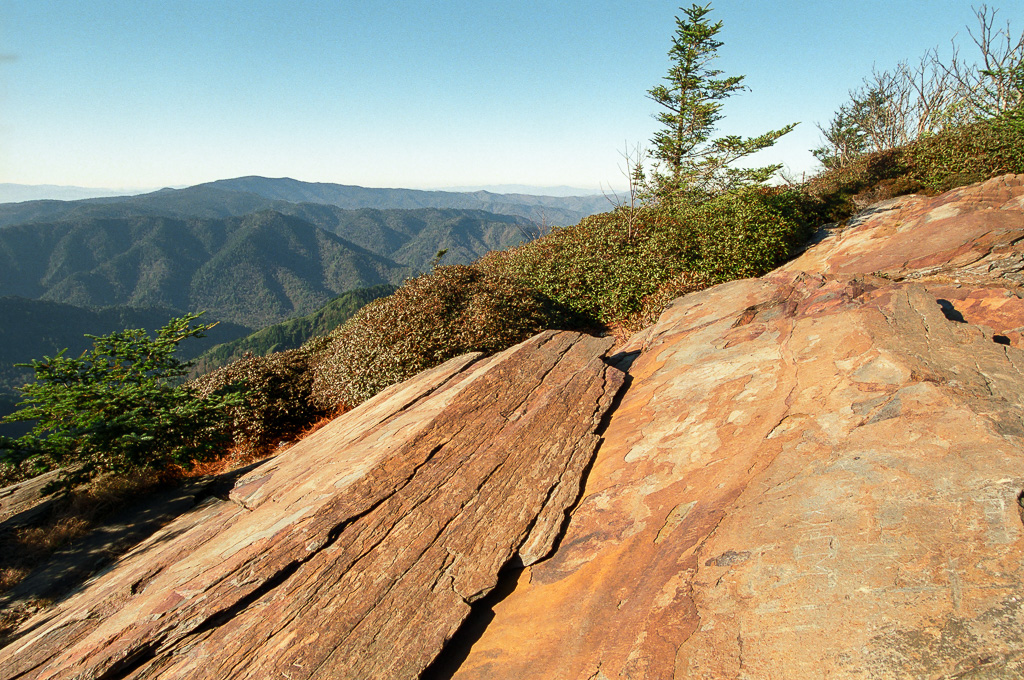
[(293, 332), (254, 270), (274, 267), (413, 237), (194, 202)]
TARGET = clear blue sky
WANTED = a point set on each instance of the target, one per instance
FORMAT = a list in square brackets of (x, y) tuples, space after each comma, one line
[(150, 93)]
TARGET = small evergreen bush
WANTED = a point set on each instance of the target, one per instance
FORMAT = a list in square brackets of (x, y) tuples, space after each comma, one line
[(118, 408)]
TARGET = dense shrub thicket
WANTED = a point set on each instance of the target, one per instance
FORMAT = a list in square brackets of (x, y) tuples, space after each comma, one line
[(954, 157), (276, 397), (613, 274), (430, 319)]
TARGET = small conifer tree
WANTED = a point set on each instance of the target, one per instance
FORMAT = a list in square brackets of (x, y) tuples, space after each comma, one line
[(118, 407), (692, 97)]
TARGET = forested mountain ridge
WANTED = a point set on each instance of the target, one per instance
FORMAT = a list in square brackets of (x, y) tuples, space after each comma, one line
[(412, 237), (254, 270), (194, 202), (292, 333), (547, 209)]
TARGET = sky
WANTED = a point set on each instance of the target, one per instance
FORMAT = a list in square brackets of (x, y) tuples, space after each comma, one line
[(411, 93)]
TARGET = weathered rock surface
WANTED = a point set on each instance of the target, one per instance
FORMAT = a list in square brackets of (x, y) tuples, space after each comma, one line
[(355, 554), (21, 503), (815, 474)]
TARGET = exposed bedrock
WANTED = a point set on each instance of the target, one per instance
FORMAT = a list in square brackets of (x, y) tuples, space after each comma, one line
[(357, 553), (814, 474)]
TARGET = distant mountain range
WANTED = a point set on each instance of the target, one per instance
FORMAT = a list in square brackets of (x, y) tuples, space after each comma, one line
[(250, 251), (243, 195), (527, 189), (10, 193)]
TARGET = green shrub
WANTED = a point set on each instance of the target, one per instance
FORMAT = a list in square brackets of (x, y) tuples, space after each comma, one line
[(120, 407), (597, 268), (612, 269), (741, 234), (842, 191), (969, 154), (277, 397), (955, 157), (430, 319)]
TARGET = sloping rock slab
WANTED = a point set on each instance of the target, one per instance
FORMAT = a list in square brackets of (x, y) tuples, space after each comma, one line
[(355, 554), (815, 474), (968, 232), (22, 503)]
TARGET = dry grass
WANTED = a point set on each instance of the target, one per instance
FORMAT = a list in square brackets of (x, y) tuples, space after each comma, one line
[(73, 515)]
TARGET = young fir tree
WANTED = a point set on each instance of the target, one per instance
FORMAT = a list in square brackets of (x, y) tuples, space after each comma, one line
[(692, 97), (119, 407)]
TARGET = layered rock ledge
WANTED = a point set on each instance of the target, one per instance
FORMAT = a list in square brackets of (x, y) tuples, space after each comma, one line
[(815, 474), (357, 553)]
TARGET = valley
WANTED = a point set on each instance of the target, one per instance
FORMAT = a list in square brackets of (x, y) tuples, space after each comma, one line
[(250, 252)]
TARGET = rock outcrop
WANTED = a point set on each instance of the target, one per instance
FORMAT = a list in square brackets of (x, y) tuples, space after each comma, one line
[(814, 474), (357, 553)]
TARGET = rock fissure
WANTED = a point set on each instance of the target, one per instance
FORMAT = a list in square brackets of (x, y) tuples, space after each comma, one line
[(617, 395), (268, 586), (436, 521)]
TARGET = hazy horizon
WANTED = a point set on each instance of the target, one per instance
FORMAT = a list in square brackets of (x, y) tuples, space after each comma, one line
[(18, 193)]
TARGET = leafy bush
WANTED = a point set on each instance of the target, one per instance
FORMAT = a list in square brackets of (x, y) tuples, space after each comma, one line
[(969, 154), (743, 233), (119, 407), (430, 319), (955, 157), (276, 402), (596, 268), (615, 275)]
